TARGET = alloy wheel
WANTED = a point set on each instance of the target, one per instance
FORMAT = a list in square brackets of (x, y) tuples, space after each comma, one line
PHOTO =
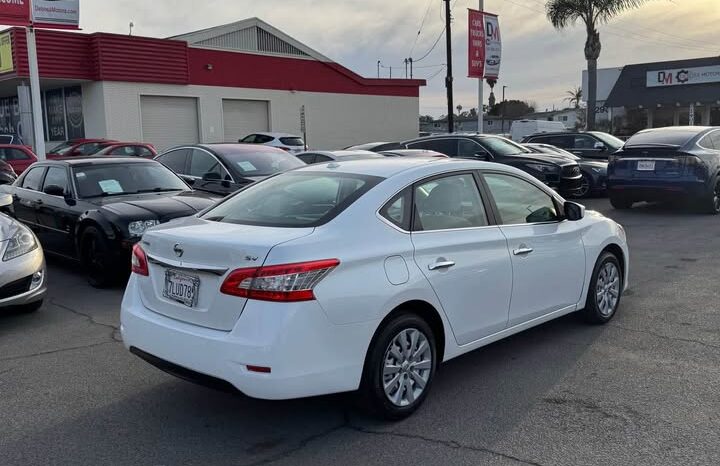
[(607, 289), (407, 366), (716, 197), (584, 187)]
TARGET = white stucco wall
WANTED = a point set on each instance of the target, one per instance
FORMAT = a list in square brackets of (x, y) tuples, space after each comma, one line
[(334, 121)]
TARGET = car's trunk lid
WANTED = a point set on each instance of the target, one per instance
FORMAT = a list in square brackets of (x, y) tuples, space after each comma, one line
[(192, 257), (653, 163)]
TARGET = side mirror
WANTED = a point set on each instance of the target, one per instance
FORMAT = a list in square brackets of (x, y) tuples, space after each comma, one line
[(211, 176), (574, 211), (483, 156), (188, 179), (600, 146), (54, 190), (5, 200)]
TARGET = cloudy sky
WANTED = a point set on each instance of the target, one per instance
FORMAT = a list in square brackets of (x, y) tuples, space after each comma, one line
[(539, 63)]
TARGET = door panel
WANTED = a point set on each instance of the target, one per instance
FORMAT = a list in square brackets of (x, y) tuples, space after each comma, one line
[(26, 195), (56, 219), (465, 260)]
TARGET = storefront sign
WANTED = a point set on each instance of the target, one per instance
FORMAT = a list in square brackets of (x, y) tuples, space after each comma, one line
[(476, 44), (55, 112), (74, 112), (484, 45), (63, 14), (683, 76), (15, 12), (6, 53)]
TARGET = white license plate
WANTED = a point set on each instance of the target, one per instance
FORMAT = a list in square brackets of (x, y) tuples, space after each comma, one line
[(181, 287), (646, 165)]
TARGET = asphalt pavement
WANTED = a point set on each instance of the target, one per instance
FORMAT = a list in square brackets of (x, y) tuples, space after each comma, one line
[(644, 389)]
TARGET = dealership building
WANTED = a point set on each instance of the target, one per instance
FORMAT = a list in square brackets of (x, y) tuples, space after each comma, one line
[(653, 95), (213, 85)]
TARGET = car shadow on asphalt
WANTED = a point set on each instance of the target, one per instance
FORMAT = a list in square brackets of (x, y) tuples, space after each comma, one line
[(477, 399)]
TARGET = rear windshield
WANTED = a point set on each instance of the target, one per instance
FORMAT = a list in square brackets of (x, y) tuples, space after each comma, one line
[(260, 163), (293, 200), (672, 137), (293, 141)]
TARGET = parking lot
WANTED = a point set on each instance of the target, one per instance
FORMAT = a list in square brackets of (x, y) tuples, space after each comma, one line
[(643, 389)]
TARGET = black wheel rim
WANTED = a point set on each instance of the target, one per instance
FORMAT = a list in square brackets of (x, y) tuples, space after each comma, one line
[(584, 187), (716, 197), (94, 257)]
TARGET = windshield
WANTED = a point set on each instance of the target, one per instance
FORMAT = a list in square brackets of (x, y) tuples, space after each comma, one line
[(293, 200), (501, 146), (610, 140), (664, 137), (116, 179), (263, 163), (62, 148)]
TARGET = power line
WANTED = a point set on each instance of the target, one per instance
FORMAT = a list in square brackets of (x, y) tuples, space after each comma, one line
[(431, 48), (435, 74), (422, 23)]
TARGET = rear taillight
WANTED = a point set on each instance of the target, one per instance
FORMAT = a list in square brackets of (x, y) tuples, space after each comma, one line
[(283, 283), (287, 149), (139, 261)]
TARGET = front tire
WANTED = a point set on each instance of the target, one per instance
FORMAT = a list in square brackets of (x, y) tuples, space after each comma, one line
[(711, 203), (96, 258), (399, 368), (586, 187), (605, 290)]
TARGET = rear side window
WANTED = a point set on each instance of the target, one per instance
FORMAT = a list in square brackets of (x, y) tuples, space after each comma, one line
[(716, 139), (33, 179), (447, 146), (398, 210), (448, 203), (307, 158), (293, 141), (293, 200)]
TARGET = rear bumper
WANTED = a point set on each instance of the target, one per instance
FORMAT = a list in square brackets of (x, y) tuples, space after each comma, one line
[(307, 354), (658, 190)]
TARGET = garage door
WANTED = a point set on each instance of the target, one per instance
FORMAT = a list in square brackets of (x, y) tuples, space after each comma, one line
[(169, 121), (243, 117)]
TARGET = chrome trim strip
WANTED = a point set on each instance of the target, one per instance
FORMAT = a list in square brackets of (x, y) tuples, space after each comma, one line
[(219, 271)]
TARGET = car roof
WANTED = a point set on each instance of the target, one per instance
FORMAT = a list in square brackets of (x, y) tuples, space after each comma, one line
[(451, 135), (90, 160), (234, 148), (276, 135), (343, 153), (391, 166)]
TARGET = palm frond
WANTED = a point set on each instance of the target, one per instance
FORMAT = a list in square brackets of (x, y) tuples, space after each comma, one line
[(605, 10), (564, 13)]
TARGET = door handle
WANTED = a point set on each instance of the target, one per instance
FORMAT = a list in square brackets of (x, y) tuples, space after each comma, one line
[(441, 265), (521, 251)]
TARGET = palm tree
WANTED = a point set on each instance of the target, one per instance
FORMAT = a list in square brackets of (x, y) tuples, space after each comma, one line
[(574, 96), (564, 13)]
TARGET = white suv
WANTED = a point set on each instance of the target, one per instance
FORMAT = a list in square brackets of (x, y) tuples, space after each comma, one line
[(288, 142)]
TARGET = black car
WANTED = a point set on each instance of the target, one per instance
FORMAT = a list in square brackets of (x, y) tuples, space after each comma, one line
[(680, 163), (224, 168), (594, 172), (588, 144), (376, 146), (557, 172), (95, 209), (7, 173)]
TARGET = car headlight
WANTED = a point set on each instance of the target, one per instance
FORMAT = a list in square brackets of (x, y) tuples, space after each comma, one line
[(542, 168), (20, 244), (136, 229)]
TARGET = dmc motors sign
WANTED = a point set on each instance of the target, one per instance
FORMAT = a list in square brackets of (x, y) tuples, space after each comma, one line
[(683, 76)]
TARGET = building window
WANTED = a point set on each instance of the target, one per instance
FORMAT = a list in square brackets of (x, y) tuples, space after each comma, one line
[(63, 114), (565, 118), (489, 122)]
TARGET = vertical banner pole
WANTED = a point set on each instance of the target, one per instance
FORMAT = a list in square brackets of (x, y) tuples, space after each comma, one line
[(37, 114), (481, 88)]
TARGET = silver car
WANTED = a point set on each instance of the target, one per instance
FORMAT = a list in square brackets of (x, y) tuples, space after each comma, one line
[(22, 265)]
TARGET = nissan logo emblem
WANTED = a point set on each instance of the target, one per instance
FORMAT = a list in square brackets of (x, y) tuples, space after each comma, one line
[(179, 251)]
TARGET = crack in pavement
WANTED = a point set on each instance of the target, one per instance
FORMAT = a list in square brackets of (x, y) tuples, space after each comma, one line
[(114, 333), (60, 350), (665, 337), (347, 424)]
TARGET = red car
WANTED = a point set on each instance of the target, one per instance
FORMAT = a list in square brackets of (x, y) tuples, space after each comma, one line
[(18, 157), (78, 147), (128, 149)]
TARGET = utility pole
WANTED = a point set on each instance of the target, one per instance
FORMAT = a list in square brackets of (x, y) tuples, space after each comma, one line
[(406, 67), (481, 88), (449, 77), (378, 66), (411, 70)]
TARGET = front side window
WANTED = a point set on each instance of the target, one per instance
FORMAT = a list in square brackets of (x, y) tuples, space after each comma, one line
[(261, 163), (293, 200), (584, 142), (56, 176), (204, 165), (469, 148), (116, 179), (715, 137), (33, 179), (448, 203), (175, 160), (519, 201)]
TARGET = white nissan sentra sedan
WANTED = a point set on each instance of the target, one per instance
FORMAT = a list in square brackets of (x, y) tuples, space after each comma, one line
[(365, 275)]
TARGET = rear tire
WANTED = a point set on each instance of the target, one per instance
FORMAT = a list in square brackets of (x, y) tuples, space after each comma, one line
[(97, 259), (605, 290), (399, 367), (620, 202)]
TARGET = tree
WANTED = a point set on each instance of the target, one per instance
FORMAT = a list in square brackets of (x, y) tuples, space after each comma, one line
[(564, 13), (574, 96), (511, 109), (426, 119)]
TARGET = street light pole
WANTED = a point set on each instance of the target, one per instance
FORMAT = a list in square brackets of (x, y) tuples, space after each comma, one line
[(449, 77), (481, 88)]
